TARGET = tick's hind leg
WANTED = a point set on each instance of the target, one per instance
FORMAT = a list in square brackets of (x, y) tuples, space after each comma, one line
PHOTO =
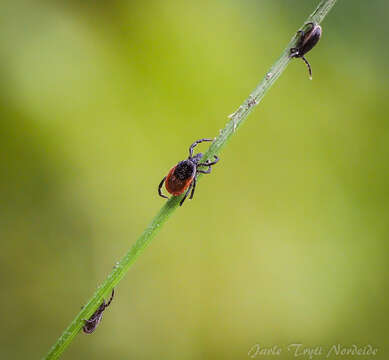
[(110, 299), (160, 194), (186, 194), (193, 189), (309, 67)]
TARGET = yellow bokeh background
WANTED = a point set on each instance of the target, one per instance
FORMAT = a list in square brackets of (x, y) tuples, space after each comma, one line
[(285, 242)]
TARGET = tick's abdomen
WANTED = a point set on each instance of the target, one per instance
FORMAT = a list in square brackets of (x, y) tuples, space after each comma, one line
[(180, 177), (310, 40)]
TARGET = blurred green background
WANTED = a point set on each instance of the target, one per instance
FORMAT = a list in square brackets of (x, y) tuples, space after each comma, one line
[(285, 242)]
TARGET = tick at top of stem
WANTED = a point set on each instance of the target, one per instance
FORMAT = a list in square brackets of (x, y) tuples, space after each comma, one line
[(183, 176), (307, 40)]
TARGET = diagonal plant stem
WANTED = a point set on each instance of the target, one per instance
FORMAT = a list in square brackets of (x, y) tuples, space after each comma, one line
[(236, 120)]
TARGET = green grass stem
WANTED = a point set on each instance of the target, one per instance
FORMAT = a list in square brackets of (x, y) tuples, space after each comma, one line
[(235, 121)]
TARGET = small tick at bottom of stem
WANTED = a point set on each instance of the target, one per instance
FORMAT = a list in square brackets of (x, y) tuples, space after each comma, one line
[(183, 177), (92, 323), (307, 40)]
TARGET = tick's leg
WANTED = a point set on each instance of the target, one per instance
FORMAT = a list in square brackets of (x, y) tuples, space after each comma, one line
[(301, 34), (186, 194), (96, 314), (295, 50), (160, 194), (309, 67), (205, 171), (94, 317), (110, 299), (309, 23), (193, 189), (195, 144), (208, 163)]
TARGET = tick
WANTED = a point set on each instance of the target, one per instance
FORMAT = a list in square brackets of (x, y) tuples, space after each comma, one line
[(92, 323), (308, 39), (183, 177)]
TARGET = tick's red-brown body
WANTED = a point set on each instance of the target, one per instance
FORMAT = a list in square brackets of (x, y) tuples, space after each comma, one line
[(182, 177)]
